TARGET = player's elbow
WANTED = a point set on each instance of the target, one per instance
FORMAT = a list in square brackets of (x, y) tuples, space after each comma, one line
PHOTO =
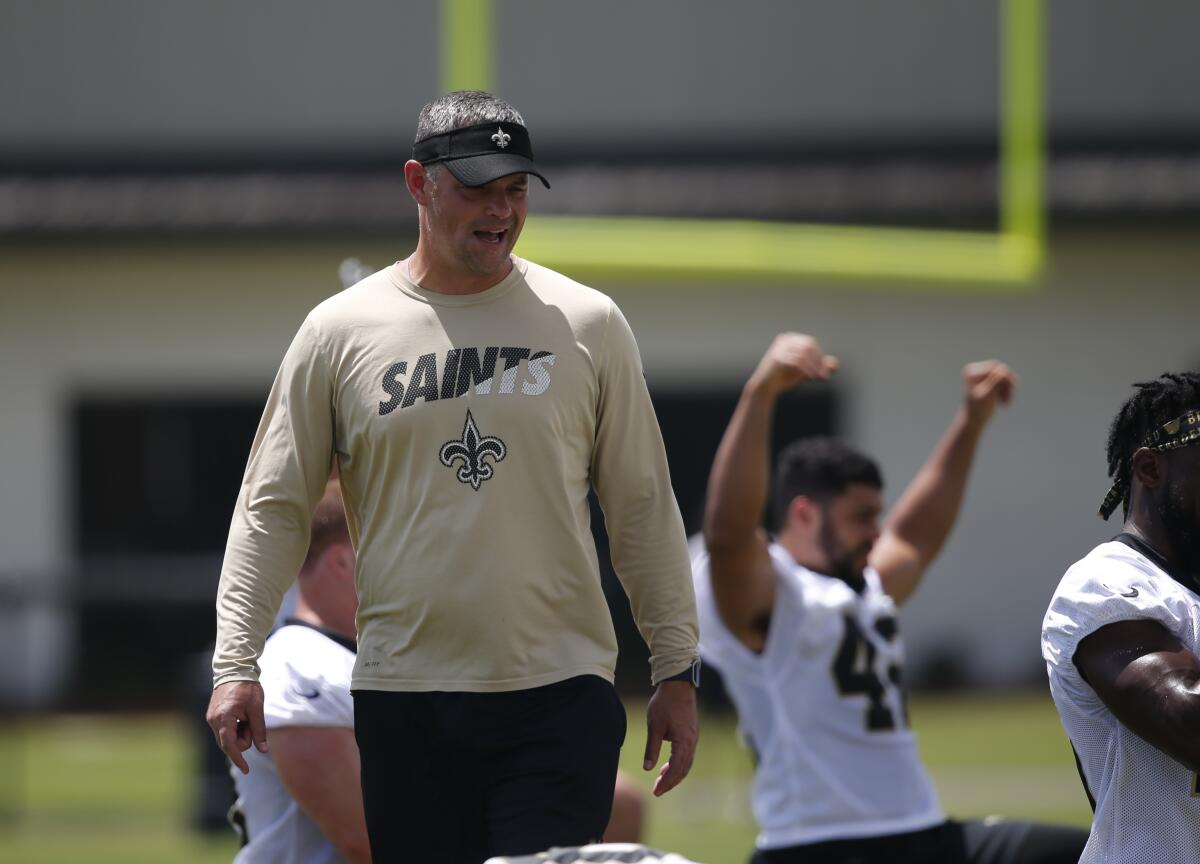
[(355, 849), (352, 841)]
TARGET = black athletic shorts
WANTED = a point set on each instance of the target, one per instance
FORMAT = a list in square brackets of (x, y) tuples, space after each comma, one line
[(456, 778), (994, 841)]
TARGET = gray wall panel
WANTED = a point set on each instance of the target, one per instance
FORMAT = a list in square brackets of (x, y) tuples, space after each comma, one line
[(700, 72), (140, 75), (297, 76), (1124, 69)]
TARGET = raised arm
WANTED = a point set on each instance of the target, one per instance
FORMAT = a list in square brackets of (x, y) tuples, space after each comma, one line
[(1150, 681), (743, 581), (922, 519)]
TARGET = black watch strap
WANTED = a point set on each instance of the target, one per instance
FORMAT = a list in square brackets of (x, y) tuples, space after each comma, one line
[(692, 673)]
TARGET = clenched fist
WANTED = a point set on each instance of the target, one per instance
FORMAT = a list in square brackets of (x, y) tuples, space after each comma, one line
[(792, 359), (986, 384)]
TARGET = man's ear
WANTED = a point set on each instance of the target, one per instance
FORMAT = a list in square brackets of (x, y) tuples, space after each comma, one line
[(804, 512), (417, 181), (338, 557), (1148, 467)]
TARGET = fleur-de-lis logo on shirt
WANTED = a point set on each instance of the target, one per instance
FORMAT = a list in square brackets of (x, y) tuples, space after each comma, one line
[(471, 450), (501, 137)]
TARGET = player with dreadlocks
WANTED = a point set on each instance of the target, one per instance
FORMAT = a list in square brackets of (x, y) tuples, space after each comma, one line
[(1122, 637)]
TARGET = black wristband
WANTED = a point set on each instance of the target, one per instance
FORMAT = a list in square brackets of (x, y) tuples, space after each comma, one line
[(692, 673)]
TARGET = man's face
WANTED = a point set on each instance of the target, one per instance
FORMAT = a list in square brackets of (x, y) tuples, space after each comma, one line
[(473, 229), (1178, 508), (849, 529)]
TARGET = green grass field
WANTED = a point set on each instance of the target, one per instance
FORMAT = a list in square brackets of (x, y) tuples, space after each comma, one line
[(118, 788)]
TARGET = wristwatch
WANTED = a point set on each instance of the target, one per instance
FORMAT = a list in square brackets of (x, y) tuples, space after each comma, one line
[(692, 673)]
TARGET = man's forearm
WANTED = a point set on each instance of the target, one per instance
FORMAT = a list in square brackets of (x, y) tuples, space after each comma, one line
[(1149, 680), (926, 512)]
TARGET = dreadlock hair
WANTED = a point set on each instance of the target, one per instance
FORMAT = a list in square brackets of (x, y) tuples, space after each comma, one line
[(1155, 403), (819, 468)]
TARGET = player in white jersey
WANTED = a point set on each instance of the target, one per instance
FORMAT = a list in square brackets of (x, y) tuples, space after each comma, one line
[(301, 803), (804, 632), (1122, 636)]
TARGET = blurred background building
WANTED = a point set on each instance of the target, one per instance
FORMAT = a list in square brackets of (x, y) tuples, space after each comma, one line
[(179, 183)]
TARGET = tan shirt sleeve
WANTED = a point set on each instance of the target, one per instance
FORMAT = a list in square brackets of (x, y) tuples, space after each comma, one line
[(285, 478), (645, 530)]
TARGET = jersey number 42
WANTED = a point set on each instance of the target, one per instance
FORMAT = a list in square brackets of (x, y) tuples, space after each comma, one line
[(855, 674)]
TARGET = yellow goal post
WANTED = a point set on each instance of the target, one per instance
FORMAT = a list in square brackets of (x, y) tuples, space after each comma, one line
[(682, 249)]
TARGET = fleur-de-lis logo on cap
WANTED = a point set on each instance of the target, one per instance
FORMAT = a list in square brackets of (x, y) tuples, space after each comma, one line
[(501, 137), (472, 449)]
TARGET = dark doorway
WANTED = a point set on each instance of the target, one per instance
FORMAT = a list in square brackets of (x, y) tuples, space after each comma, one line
[(158, 475), (155, 480)]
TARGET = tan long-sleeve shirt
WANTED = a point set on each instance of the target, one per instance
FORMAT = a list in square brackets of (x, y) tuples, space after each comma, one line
[(468, 429)]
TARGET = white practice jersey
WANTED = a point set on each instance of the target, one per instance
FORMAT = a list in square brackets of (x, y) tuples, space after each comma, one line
[(306, 682), (823, 709), (1146, 804)]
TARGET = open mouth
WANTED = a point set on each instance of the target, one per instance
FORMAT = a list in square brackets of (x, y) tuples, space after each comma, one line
[(492, 238)]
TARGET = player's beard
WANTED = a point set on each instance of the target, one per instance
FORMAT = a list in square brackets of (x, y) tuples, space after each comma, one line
[(845, 564), (1177, 514)]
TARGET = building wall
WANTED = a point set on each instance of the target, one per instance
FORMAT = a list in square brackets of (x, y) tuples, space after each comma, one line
[(176, 81), (214, 316)]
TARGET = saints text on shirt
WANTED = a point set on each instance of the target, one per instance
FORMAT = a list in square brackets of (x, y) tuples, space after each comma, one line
[(464, 369)]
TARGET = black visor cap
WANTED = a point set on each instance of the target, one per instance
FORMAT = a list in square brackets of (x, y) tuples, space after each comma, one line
[(477, 155)]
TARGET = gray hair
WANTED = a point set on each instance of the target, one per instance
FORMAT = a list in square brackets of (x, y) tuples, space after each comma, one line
[(461, 109)]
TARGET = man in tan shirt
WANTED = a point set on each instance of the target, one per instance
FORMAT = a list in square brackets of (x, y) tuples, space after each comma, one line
[(471, 399)]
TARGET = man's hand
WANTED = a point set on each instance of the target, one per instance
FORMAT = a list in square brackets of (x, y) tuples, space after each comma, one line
[(671, 716), (986, 384), (792, 359), (235, 714)]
